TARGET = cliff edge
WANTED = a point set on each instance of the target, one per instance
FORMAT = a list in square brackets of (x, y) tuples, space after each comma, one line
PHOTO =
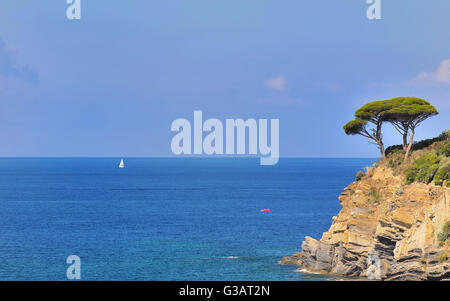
[(387, 229)]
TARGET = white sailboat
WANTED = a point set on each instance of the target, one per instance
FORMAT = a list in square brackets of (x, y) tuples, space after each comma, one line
[(121, 165)]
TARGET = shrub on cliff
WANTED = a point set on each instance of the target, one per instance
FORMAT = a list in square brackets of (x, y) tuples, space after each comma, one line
[(445, 151), (442, 175), (430, 161), (444, 235), (423, 169), (359, 175), (395, 158), (421, 145)]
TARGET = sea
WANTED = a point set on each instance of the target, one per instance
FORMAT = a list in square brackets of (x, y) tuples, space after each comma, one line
[(165, 218)]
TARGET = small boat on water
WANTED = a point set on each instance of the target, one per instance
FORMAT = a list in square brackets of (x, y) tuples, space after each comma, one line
[(265, 210), (121, 165)]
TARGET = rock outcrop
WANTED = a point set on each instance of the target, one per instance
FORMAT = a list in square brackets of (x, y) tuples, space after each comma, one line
[(386, 231)]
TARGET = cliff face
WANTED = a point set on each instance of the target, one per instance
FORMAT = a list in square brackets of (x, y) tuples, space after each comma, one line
[(385, 230)]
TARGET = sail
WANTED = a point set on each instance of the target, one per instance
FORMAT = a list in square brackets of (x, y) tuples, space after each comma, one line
[(121, 165)]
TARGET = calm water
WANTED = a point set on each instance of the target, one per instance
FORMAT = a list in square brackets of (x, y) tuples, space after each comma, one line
[(164, 219)]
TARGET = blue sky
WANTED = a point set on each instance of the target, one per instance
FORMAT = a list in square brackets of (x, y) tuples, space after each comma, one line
[(111, 83)]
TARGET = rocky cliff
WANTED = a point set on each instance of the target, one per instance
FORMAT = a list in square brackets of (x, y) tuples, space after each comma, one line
[(386, 230)]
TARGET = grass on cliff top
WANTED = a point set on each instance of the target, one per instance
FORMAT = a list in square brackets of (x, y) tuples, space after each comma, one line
[(429, 161)]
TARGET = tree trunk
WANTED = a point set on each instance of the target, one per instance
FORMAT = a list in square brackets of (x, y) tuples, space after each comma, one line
[(382, 151), (408, 149), (405, 140), (379, 140)]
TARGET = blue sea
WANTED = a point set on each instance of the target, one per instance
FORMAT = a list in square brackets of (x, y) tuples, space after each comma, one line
[(164, 219)]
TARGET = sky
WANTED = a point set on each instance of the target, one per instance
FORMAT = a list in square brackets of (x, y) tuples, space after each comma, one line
[(111, 83)]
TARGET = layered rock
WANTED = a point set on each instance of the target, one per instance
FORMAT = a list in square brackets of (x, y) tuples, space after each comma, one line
[(385, 230)]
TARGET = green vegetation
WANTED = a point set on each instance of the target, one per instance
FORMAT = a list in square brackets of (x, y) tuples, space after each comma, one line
[(445, 151), (443, 175), (428, 163), (360, 175), (443, 257), (395, 157), (444, 235), (371, 112), (432, 164), (418, 145), (425, 161), (423, 169), (404, 113)]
